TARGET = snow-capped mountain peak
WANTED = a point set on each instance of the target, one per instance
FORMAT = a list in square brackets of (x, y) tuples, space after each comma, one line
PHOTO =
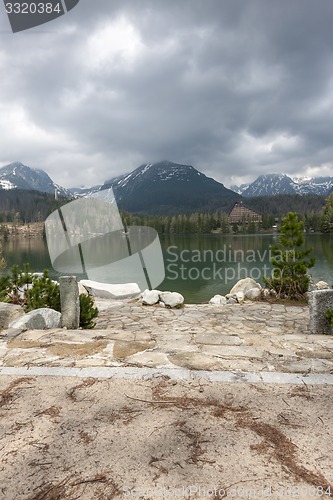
[(270, 185), (301, 180), (19, 176), (275, 184), (166, 187)]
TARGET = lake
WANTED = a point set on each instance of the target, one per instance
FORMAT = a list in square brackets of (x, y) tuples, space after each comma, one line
[(198, 266)]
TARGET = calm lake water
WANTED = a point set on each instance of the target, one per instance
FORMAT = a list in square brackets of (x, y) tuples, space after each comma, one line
[(198, 266)]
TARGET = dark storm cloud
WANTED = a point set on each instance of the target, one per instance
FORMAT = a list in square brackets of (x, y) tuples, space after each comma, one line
[(236, 89)]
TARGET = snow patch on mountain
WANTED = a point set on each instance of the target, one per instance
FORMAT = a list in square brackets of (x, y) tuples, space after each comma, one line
[(275, 184), (19, 176), (6, 185), (270, 185), (166, 187)]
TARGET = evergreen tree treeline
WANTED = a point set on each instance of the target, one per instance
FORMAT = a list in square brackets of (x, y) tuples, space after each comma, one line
[(327, 219), (201, 223), (23, 206)]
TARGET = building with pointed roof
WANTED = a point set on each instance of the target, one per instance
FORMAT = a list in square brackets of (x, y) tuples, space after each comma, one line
[(240, 213)]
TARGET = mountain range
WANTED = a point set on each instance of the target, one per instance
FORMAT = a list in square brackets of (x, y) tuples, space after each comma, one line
[(275, 184), (19, 176), (171, 188), (167, 188)]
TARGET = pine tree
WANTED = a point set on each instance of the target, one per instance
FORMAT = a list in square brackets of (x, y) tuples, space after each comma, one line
[(87, 311), (290, 274), (43, 293), (327, 219)]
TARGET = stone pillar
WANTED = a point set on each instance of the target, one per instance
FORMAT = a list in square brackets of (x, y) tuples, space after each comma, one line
[(69, 302), (319, 302)]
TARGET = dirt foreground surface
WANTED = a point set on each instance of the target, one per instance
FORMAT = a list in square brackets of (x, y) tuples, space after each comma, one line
[(71, 438)]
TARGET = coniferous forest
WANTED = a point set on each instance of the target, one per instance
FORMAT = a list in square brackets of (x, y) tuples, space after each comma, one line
[(25, 207)]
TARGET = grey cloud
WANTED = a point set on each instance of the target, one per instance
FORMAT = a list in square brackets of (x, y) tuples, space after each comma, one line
[(234, 88)]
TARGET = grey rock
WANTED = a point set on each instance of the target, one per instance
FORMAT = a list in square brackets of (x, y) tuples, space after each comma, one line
[(8, 313), (52, 318), (240, 297), (218, 300), (38, 319), (322, 285), (172, 299), (150, 297), (253, 294), (244, 285), (231, 300)]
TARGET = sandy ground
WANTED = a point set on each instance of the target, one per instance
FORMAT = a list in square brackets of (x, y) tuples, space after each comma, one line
[(70, 438)]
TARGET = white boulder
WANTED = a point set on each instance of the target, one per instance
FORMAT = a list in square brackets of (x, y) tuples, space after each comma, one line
[(107, 291), (244, 285), (38, 319), (172, 299), (218, 300), (322, 285), (150, 297), (253, 294), (240, 297)]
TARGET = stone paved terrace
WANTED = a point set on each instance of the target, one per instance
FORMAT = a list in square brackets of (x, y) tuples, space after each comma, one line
[(251, 337)]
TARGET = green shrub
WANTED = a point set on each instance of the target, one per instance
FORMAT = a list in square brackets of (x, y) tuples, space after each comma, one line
[(87, 311), (329, 316), (13, 287), (43, 293), (33, 292)]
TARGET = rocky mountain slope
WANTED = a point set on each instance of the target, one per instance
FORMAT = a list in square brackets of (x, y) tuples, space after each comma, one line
[(167, 188), (276, 184), (19, 176)]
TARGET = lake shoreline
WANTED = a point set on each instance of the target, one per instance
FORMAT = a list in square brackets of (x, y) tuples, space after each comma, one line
[(197, 266), (33, 230)]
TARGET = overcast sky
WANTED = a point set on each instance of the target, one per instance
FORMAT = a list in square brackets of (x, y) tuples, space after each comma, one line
[(236, 88)]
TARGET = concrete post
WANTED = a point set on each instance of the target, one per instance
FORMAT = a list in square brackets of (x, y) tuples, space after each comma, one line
[(319, 302), (69, 302)]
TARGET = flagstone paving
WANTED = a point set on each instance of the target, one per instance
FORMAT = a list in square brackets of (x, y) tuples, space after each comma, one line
[(248, 337)]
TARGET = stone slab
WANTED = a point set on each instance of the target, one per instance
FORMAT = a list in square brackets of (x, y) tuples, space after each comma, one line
[(217, 339), (111, 291)]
